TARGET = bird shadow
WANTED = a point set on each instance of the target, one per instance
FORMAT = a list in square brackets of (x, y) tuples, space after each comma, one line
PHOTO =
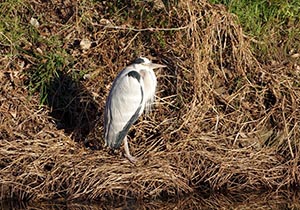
[(73, 108)]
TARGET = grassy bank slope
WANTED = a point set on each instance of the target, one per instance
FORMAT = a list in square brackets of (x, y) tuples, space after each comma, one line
[(225, 119)]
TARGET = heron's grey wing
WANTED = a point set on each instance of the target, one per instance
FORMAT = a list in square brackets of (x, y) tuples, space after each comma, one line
[(124, 106)]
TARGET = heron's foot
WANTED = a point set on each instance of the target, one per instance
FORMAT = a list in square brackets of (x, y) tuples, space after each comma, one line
[(127, 153), (131, 158)]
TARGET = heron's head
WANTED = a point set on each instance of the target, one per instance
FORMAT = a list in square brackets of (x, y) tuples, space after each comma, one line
[(145, 62)]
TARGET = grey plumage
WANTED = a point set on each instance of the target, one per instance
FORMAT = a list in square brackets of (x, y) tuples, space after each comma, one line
[(132, 91)]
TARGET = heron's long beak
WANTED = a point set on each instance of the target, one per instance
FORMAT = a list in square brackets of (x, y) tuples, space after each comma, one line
[(156, 65)]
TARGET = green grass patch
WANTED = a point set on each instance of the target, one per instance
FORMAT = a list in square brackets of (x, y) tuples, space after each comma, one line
[(42, 77), (11, 27), (44, 55), (274, 24)]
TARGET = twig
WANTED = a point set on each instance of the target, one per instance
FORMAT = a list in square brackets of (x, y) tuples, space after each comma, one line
[(110, 26), (130, 41), (146, 29)]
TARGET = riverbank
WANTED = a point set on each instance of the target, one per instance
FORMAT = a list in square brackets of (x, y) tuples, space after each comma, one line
[(224, 120)]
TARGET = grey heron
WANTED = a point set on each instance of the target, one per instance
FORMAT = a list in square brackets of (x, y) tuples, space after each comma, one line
[(132, 92)]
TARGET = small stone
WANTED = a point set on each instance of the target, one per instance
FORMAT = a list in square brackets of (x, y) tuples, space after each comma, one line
[(39, 50), (87, 76), (105, 22), (34, 22), (85, 44)]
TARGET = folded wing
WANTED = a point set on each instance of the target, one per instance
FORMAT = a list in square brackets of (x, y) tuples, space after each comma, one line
[(124, 105)]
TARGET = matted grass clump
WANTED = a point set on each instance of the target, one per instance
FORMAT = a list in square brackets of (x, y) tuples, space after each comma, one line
[(222, 120)]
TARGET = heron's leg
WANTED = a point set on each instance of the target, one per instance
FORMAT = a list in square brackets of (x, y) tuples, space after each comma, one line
[(127, 153)]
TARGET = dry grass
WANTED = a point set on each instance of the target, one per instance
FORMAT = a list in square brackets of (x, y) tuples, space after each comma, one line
[(222, 122)]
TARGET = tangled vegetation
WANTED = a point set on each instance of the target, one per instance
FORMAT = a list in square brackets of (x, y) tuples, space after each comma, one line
[(225, 119)]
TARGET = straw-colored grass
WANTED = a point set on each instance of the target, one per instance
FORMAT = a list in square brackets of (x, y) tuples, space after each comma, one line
[(222, 121)]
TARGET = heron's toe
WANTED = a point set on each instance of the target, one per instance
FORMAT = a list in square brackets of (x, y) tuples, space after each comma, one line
[(131, 158)]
